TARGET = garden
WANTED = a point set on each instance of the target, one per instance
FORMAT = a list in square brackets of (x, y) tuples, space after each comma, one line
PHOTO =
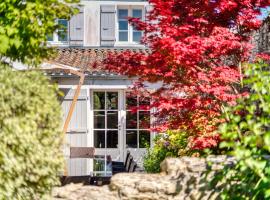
[(214, 97)]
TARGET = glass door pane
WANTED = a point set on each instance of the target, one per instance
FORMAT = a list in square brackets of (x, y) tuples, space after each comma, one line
[(99, 139), (105, 119), (137, 121), (137, 133)]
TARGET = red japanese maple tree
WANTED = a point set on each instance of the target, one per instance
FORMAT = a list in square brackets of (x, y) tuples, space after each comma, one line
[(195, 47)]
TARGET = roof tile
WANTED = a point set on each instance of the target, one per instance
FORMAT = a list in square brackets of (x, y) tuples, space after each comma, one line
[(86, 58)]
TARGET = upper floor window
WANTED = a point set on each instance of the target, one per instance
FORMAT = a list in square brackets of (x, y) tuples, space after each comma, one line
[(61, 34), (127, 32)]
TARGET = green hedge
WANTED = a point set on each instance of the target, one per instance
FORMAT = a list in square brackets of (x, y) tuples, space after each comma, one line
[(30, 138)]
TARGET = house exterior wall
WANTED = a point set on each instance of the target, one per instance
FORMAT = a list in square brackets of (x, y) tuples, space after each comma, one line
[(80, 130), (92, 23), (92, 20)]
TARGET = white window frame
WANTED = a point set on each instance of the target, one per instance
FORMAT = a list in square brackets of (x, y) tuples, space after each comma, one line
[(106, 129), (137, 129), (130, 27), (55, 38)]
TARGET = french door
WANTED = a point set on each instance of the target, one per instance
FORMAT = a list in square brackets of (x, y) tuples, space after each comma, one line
[(137, 124), (105, 120), (120, 121)]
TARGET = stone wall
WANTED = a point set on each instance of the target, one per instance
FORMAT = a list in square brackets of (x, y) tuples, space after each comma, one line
[(181, 178)]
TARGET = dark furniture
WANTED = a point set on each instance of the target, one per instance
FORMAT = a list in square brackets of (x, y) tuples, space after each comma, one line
[(133, 166), (78, 152), (113, 167), (102, 171), (99, 180), (74, 179), (121, 164), (100, 175), (128, 166), (82, 152)]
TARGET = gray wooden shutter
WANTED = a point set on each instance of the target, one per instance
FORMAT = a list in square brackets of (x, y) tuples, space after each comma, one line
[(77, 132), (107, 25), (78, 122), (76, 27)]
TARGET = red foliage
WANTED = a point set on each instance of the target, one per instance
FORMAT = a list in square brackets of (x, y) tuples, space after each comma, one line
[(263, 56), (194, 51)]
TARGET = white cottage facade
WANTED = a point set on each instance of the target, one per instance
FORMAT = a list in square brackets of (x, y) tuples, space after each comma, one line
[(102, 118)]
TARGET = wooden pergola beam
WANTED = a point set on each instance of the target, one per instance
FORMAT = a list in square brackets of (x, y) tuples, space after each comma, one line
[(77, 92)]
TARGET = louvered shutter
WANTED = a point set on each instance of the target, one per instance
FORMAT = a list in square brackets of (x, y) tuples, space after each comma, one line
[(76, 135), (76, 27), (107, 25), (78, 122)]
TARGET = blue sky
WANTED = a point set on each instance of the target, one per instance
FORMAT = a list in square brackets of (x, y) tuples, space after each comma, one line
[(265, 12)]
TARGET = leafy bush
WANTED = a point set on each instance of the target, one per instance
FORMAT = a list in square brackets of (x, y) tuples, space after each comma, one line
[(153, 158), (25, 26), (247, 137), (171, 144), (30, 139)]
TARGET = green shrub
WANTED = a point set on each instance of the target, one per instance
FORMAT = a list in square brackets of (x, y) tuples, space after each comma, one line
[(153, 158), (247, 137), (30, 138), (171, 144)]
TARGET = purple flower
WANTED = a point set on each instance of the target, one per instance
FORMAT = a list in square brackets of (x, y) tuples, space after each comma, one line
[(166, 143)]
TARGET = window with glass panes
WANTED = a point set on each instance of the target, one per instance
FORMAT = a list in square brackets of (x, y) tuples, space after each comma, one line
[(62, 31), (127, 32), (105, 108), (137, 121), (61, 34)]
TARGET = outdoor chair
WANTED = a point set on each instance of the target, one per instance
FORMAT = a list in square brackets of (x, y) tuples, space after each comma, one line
[(121, 164), (117, 167), (133, 166), (129, 165)]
